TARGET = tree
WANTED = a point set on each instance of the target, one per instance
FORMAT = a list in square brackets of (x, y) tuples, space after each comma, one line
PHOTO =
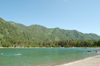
[(98, 43), (66, 45)]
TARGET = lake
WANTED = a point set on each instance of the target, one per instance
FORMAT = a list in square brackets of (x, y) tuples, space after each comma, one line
[(42, 56)]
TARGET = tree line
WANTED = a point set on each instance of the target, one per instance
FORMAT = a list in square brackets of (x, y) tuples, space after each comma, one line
[(66, 43)]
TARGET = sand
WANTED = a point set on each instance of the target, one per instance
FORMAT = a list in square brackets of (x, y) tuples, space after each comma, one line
[(91, 61)]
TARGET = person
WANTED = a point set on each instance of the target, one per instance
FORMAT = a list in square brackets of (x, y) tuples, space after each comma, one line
[(89, 50), (1, 53), (97, 51)]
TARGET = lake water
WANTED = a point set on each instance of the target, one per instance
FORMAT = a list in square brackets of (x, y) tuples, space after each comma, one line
[(42, 56)]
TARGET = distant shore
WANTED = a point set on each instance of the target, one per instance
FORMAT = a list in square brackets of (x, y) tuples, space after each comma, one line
[(91, 61), (49, 47)]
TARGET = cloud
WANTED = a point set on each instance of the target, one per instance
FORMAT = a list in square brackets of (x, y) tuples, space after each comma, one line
[(74, 28)]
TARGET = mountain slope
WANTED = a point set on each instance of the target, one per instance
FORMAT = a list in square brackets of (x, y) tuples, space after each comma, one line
[(40, 33), (7, 31)]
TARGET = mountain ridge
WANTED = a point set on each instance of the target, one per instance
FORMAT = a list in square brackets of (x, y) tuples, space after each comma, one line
[(40, 33)]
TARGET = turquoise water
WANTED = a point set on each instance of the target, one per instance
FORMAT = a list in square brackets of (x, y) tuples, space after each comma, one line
[(42, 56)]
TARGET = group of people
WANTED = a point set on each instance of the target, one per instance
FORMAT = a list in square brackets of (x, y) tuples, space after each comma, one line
[(96, 51)]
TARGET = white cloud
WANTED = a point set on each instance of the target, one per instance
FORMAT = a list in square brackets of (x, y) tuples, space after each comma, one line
[(74, 28)]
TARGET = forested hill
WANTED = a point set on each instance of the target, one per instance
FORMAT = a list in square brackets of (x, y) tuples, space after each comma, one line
[(12, 30), (9, 32)]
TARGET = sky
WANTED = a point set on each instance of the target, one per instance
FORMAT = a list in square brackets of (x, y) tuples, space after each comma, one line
[(82, 15)]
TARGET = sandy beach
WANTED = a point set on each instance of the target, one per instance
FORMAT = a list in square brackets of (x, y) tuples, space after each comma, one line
[(91, 61)]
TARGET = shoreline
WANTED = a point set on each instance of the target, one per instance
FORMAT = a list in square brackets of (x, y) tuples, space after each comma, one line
[(49, 47), (90, 61)]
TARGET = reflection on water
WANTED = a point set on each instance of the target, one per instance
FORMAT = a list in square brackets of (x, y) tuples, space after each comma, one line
[(42, 56)]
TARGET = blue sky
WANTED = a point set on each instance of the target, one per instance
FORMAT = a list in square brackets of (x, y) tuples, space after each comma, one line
[(84, 15)]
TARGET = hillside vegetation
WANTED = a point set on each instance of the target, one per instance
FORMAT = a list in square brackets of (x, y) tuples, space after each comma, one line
[(14, 34), (37, 33)]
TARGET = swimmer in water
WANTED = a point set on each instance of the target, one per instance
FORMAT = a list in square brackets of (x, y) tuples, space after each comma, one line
[(1, 53), (97, 51)]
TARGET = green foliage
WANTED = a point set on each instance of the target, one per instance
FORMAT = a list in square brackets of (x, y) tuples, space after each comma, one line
[(18, 35), (67, 43), (8, 31), (39, 33)]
